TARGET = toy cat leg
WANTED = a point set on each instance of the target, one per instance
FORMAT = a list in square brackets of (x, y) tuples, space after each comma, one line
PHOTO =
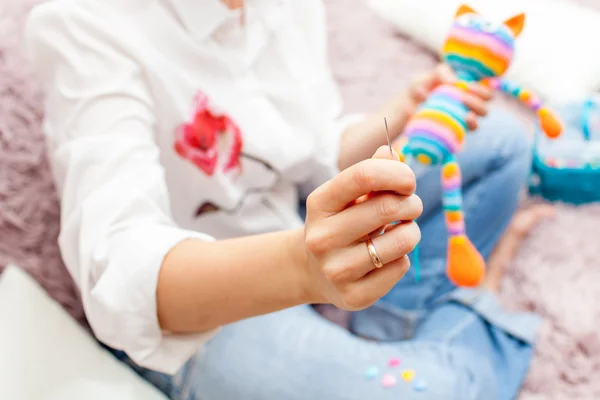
[(549, 121), (401, 147), (466, 266)]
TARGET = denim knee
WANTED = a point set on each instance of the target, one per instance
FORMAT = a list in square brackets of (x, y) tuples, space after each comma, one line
[(510, 136), (477, 379)]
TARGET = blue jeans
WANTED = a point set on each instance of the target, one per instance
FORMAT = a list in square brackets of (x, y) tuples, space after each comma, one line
[(459, 344)]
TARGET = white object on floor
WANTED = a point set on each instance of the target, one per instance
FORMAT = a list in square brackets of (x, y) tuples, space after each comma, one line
[(46, 355), (557, 55)]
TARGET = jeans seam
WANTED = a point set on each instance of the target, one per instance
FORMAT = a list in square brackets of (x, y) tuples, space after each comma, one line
[(185, 392)]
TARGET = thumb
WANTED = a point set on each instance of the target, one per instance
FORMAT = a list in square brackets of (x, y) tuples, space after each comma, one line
[(386, 153), (382, 153)]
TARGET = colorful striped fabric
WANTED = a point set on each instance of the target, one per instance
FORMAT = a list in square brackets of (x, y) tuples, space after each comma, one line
[(452, 200), (479, 51), (437, 130)]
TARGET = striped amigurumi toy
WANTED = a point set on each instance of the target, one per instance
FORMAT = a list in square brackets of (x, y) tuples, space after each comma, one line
[(478, 51)]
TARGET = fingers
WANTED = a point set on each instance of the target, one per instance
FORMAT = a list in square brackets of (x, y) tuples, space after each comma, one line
[(355, 262), (368, 176), (422, 86), (420, 91), (445, 73), (475, 104), (472, 123), (363, 218), (398, 241), (383, 153), (476, 100), (481, 91), (377, 284)]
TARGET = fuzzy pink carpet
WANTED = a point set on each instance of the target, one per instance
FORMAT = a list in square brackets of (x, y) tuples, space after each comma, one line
[(554, 274), (29, 214)]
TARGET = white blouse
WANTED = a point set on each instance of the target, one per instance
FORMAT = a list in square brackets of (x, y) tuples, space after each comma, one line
[(168, 120)]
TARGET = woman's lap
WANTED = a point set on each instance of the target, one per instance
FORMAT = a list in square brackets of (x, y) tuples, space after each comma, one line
[(297, 355), (459, 342)]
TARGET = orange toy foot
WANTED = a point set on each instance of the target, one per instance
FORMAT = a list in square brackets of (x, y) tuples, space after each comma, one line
[(466, 267), (550, 123)]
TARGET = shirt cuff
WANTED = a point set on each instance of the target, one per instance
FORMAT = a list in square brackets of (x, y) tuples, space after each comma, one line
[(122, 305), (332, 146)]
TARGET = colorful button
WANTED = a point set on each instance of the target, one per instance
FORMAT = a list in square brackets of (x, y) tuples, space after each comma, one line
[(371, 372), (408, 375), (388, 381), (394, 362), (420, 385)]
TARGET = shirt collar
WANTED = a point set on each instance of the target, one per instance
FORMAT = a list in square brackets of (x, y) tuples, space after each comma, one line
[(202, 17)]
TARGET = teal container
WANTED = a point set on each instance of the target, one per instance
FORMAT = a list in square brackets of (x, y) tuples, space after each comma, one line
[(568, 169)]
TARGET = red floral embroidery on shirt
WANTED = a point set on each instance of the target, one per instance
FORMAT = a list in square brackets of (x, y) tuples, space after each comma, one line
[(198, 140)]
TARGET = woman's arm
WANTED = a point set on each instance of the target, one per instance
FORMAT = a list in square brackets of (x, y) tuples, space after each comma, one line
[(204, 285)]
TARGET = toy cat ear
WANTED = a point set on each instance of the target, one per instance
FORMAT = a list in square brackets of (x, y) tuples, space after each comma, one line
[(516, 24), (464, 9)]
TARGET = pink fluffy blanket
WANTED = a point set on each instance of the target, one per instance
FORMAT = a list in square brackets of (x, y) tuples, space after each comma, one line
[(555, 274)]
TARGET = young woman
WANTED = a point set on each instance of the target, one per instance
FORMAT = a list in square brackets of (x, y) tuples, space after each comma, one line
[(182, 134)]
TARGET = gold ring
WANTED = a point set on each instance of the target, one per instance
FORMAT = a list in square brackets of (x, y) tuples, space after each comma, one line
[(373, 253)]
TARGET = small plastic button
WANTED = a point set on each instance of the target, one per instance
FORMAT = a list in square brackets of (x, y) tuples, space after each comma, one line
[(388, 381), (371, 372), (408, 375)]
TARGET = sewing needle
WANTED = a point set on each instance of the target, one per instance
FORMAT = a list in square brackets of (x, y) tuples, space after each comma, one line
[(387, 134)]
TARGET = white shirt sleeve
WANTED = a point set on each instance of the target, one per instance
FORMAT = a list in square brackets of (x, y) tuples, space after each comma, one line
[(116, 226)]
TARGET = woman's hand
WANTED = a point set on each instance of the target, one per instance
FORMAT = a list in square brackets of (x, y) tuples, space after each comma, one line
[(361, 140), (476, 100), (205, 284), (340, 267)]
